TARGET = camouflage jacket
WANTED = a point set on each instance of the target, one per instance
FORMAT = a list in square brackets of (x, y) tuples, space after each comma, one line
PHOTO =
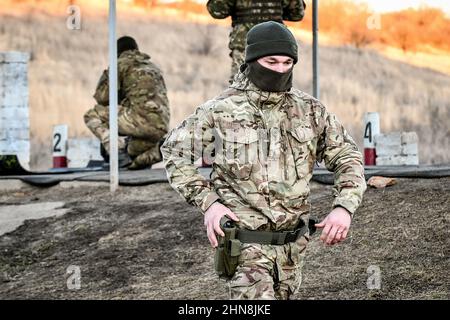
[(141, 87), (247, 13), (266, 145)]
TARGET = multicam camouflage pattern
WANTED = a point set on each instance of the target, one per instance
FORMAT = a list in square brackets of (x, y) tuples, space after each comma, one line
[(247, 13), (269, 272), (265, 146), (143, 151), (143, 117), (237, 58)]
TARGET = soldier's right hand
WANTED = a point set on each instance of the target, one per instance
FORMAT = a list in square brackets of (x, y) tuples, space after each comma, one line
[(212, 221)]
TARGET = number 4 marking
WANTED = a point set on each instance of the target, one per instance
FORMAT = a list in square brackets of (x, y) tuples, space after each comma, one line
[(368, 132)]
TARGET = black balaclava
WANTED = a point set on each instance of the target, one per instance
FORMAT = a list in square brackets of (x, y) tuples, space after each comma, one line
[(267, 79), (269, 39), (126, 43)]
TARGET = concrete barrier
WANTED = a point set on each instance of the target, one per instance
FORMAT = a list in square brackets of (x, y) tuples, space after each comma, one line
[(14, 109), (397, 148), (82, 150)]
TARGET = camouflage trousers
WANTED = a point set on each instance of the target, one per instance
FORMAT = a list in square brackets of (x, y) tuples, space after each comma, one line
[(238, 57), (267, 272), (139, 141)]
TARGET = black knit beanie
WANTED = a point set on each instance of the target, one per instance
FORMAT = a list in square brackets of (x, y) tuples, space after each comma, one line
[(270, 39), (126, 43)]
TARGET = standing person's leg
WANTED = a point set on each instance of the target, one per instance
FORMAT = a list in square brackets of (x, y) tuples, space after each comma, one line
[(289, 264), (237, 56), (253, 278), (269, 272)]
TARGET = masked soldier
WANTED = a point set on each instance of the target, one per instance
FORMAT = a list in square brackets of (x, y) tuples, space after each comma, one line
[(143, 113), (247, 13), (267, 137)]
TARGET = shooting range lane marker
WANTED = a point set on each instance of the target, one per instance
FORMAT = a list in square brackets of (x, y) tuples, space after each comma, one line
[(371, 129), (59, 146)]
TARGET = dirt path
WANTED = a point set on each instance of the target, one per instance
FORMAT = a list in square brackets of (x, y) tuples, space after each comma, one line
[(147, 243)]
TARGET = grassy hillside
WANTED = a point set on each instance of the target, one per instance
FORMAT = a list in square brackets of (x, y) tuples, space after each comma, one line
[(66, 64)]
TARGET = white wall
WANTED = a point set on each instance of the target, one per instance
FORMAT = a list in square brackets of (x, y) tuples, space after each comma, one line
[(14, 109)]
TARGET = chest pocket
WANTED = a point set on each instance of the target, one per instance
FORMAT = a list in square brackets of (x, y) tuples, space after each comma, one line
[(237, 151), (302, 140)]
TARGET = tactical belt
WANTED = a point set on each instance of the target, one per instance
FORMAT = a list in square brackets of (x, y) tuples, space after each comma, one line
[(274, 238), (267, 237)]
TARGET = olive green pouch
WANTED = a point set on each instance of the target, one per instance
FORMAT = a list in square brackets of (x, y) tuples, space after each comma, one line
[(227, 253)]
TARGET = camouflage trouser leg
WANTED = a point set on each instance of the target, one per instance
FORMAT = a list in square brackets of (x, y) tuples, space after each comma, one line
[(269, 272), (150, 128), (97, 120), (144, 153), (143, 138), (238, 57)]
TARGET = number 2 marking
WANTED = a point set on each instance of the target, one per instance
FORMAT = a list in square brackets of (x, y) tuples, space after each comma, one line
[(56, 147)]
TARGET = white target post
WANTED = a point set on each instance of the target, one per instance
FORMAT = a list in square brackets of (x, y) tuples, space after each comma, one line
[(113, 128), (371, 129), (59, 146)]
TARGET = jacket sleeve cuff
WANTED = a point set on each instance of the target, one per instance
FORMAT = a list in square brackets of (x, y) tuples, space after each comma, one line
[(347, 204), (206, 199)]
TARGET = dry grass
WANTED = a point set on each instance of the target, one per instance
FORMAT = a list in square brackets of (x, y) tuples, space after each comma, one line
[(146, 242), (66, 65)]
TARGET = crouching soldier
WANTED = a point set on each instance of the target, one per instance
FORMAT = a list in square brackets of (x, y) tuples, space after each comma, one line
[(143, 112)]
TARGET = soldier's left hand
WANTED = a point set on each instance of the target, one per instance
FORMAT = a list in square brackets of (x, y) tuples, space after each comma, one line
[(335, 226)]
